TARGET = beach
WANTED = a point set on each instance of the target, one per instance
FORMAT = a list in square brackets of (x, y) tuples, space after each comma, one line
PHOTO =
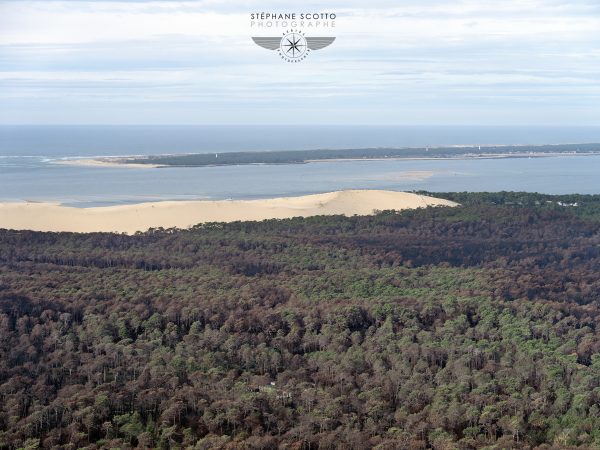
[(105, 162), (184, 214)]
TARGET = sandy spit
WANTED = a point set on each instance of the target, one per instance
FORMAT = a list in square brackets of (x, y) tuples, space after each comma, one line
[(183, 214), (105, 162), (118, 161)]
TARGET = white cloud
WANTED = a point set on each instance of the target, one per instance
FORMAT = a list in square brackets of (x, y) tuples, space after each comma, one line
[(388, 59)]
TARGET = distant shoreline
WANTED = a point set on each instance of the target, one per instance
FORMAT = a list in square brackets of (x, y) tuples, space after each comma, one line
[(457, 158), (335, 155)]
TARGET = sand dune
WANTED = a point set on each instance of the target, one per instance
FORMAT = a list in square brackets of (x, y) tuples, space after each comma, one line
[(183, 214)]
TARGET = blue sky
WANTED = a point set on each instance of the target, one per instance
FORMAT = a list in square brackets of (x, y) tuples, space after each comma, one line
[(457, 62)]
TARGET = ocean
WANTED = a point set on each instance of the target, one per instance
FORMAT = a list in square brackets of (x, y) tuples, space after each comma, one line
[(28, 157)]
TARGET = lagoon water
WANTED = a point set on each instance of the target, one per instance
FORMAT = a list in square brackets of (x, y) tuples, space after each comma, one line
[(28, 169)]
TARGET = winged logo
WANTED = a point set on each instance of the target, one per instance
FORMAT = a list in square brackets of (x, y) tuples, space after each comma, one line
[(293, 46)]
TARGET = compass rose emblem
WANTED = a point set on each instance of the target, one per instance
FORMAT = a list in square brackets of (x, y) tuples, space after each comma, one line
[(293, 46)]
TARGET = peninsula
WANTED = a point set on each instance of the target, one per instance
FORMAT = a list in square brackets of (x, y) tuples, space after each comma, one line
[(320, 155)]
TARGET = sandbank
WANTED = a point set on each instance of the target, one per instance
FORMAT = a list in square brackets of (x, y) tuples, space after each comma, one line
[(184, 214)]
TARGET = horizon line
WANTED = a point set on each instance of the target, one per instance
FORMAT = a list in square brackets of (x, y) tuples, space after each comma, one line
[(320, 125)]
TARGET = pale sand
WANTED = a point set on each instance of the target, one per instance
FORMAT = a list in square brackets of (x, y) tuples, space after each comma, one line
[(168, 214), (105, 162)]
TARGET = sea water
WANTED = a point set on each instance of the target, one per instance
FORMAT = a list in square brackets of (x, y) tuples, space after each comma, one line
[(29, 156)]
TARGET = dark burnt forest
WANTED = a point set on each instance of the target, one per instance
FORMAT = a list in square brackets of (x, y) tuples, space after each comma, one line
[(446, 328)]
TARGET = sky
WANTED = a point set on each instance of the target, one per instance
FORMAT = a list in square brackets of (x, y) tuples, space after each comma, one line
[(394, 62)]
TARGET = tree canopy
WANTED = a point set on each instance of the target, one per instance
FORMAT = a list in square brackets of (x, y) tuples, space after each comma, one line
[(469, 328)]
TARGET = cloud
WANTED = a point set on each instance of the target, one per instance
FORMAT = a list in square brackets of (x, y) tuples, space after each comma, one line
[(468, 61)]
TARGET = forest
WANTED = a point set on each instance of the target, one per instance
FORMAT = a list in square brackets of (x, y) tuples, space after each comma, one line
[(303, 156), (474, 327)]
